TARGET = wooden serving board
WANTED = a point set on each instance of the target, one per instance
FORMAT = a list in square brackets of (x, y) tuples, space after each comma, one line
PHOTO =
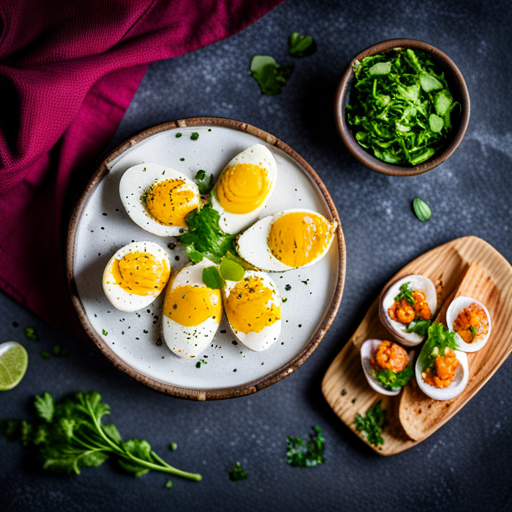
[(465, 266)]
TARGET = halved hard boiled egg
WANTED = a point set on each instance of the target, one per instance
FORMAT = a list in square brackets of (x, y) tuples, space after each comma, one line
[(471, 321), (253, 310), (135, 276), (286, 240), (192, 311), (158, 198), (406, 302), (244, 188)]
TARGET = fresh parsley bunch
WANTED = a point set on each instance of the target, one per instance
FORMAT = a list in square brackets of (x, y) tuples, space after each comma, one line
[(372, 424), (309, 453)]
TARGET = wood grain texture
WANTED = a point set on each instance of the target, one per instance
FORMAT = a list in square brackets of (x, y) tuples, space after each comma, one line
[(465, 266)]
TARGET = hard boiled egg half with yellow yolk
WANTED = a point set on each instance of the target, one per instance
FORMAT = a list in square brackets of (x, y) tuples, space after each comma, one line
[(253, 310), (287, 240), (244, 188), (192, 311), (158, 198), (135, 275)]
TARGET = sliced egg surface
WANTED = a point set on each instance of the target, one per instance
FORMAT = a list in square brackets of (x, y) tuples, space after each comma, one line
[(471, 321), (158, 198), (135, 276), (192, 311), (286, 240), (455, 388), (253, 310), (244, 188)]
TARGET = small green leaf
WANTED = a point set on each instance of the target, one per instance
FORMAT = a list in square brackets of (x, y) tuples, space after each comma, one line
[(381, 68), (104, 332), (178, 135), (436, 123), (419, 327), (200, 175), (237, 474), (31, 333), (442, 102), (230, 270), (421, 209), (212, 278), (429, 82), (195, 256), (44, 406), (168, 484), (270, 76), (194, 136), (301, 46)]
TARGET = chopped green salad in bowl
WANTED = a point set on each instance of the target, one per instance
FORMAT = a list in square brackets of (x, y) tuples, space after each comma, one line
[(402, 107)]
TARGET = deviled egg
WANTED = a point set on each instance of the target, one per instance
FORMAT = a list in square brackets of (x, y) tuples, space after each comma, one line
[(135, 275), (407, 307), (192, 311), (286, 240), (244, 188), (158, 198), (471, 321), (253, 310)]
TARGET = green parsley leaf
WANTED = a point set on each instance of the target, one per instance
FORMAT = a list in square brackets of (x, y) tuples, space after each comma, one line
[(200, 362), (419, 327), (371, 424), (31, 333), (270, 76), (178, 135), (306, 454), (44, 406), (421, 209), (194, 136), (173, 446), (301, 46), (391, 380), (237, 474), (104, 332), (405, 294), (45, 355), (231, 270), (212, 278), (204, 182), (168, 484), (439, 339)]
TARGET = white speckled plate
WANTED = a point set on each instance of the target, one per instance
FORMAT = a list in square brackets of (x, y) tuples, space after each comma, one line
[(132, 341)]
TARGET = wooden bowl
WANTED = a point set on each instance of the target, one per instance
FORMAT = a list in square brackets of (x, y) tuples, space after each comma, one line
[(457, 87)]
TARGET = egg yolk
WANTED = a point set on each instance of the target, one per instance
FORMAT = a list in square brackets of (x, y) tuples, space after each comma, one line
[(170, 201), (298, 238), (192, 305), (390, 356), (242, 188), (471, 323), (140, 273), (250, 306)]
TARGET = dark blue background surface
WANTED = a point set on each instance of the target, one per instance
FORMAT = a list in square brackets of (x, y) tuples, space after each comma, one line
[(466, 464)]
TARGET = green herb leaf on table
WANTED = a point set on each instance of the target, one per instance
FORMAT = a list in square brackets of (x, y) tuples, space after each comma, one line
[(405, 294), (212, 278), (301, 46), (419, 327), (270, 76), (237, 474), (168, 484), (439, 339), (44, 406), (204, 182), (231, 270), (371, 424), (391, 380), (421, 209), (306, 454), (31, 334)]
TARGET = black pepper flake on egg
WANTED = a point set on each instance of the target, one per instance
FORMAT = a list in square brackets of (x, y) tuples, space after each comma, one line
[(177, 258), (102, 228), (288, 287), (104, 214), (171, 246), (223, 331), (234, 342)]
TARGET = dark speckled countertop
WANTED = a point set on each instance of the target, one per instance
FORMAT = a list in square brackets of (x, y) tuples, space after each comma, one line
[(466, 464)]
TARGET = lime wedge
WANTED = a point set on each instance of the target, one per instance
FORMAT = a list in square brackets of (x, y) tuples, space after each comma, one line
[(13, 364)]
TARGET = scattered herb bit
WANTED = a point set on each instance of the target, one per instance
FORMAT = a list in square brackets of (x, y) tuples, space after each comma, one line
[(301, 46), (371, 424), (194, 136), (231, 270), (204, 182), (353, 400), (284, 299), (104, 332), (288, 287), (182, 159), (200, 362), (168, 484), (237, 474), (270, 76), (305, 282), (405, 294), (212, 278), (45, 355), (419, 327), (56, 350), (174, 446), (439, 339), (400, 107), (30, 333), (343, 392), (421, 209), (306, 454), (70, 435), (178, 135), (391, 380)]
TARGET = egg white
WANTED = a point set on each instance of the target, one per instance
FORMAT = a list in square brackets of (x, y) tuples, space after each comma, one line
[(258, 341), (189, 342), (260, 156), (252, 244), (134, 183), (120, 298), (452, 313)]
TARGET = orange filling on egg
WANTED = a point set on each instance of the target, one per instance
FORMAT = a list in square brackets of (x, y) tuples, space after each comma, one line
[(140, 273), (298, 238), (192, 305), (442, 373), (242, 188), (390, 356), (471, 324), (169, 202), (250, 306), (405, 313)]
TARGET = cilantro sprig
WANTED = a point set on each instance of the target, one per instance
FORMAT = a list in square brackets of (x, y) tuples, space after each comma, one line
[(270, 76), (439, 339), (419, 327), (237, 474), (306, 453), (391, 380), (301, 46), (371, 424), (405, 294)]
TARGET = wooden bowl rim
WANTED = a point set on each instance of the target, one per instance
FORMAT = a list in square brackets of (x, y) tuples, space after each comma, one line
[(217, 393), (366, 158)]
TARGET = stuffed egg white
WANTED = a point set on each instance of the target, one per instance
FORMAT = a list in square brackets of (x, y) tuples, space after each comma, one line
[(253, 310), (286, 240), (135, 275), (471, 321), (192, 311), (244, 188), (158, 198), (405, 303)]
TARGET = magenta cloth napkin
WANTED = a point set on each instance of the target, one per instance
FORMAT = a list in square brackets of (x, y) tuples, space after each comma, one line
[(68, 71)]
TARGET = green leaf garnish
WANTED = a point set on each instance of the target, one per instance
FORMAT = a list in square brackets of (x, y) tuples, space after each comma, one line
[(301, 46), (372, 424), (30, 333), (306, 454), (212, 278), (204, 182), (168, 484), (421, 209), (270, 76), (419, 327), (391, 380), (237, 474), (405, 294), (200, 362), (194, 136), (231, 270), (439, 339), (44, 406)]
